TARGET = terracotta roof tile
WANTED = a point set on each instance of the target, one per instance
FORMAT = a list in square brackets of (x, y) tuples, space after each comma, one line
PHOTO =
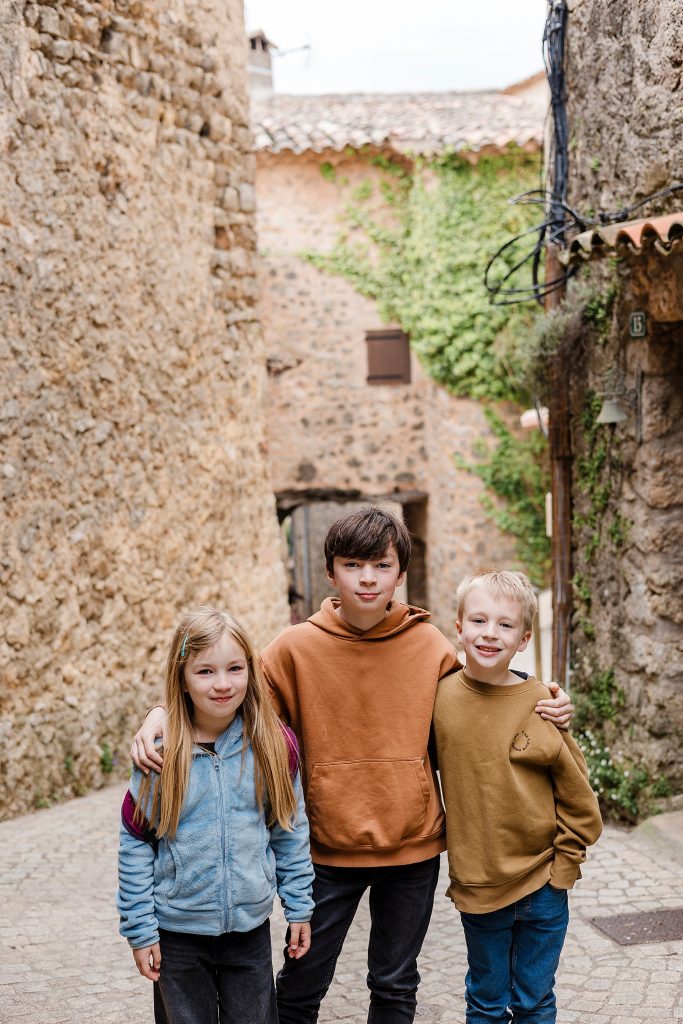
[(662, 233), (420, 123)]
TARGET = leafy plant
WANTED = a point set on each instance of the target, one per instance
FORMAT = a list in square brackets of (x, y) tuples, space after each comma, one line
[(421, 254), (517, 472), (106, 759), (562, 330), (619, 785)]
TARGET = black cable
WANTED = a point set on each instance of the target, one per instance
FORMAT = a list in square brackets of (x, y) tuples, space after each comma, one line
[(560, 218)]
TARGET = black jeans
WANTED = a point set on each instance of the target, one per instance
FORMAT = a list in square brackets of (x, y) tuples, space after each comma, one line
[(401, 900), (205, 979)]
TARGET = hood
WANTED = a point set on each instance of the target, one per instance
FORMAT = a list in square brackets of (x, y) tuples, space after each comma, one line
[(399, 617)]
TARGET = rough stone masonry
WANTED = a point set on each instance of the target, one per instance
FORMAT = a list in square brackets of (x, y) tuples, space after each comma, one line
[(624, 76), (131, 455)]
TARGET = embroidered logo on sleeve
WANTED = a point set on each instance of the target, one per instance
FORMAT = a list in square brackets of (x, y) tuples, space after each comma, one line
[(521, 741)]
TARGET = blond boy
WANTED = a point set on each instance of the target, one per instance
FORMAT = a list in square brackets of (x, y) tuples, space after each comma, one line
[(519, 808)]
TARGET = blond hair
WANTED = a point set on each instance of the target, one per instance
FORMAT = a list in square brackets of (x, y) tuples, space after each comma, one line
[(261, 728), (514, 586)]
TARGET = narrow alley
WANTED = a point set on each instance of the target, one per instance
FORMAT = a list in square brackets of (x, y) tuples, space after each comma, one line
[(63, 962)]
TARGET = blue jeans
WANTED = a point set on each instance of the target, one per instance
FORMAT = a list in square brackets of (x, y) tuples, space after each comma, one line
[(401, 900), (512, 955), (205, 979)]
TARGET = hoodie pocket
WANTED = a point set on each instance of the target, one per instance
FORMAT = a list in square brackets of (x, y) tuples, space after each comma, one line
[(168, 871), (197, 878), (371, 804)]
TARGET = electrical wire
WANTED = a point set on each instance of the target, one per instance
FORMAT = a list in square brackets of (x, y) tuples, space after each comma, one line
[(560, 218)]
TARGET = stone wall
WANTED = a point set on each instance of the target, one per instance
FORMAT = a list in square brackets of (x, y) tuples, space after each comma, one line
[(623, 75), (132, 470), (329, 431), (623, 68)]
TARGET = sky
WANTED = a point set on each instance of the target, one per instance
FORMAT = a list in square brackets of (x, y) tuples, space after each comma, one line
[(400, 45)]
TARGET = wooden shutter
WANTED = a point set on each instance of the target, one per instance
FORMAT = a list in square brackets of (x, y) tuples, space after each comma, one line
[(388, 356)]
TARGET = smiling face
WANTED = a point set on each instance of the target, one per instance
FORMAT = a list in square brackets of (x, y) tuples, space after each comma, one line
[(366, 587), (216, 680), (491, 632)]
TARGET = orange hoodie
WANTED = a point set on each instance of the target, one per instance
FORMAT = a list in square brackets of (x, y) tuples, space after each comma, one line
[(361, 706)]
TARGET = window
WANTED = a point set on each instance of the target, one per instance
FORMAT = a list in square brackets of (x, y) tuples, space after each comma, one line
[(388, 356)]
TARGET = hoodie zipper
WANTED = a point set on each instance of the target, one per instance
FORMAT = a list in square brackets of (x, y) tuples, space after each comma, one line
[(221, 820)]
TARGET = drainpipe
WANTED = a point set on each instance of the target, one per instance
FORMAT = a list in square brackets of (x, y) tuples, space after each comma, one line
[(561, 482)]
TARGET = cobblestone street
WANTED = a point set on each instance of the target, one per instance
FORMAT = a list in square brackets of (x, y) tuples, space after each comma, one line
[(63, 962)]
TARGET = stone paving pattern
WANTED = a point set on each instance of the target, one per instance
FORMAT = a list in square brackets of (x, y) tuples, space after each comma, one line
[(63, 962)]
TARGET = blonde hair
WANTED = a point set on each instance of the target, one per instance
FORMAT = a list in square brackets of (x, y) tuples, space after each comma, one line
[(195, 632), (514, 586)]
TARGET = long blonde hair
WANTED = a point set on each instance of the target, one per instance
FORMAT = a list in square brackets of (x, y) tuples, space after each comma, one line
[(195, 632)]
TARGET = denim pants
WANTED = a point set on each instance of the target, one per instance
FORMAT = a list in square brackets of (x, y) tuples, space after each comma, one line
[(205, 979), (401, 900), (512, 955)]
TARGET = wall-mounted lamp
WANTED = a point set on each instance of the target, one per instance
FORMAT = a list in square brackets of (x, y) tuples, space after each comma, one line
[(611, 412), (617, 399)]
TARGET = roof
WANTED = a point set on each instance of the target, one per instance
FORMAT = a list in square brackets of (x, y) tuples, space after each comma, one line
[(662, 233), (258, 33), (524, 84), (417, 123)]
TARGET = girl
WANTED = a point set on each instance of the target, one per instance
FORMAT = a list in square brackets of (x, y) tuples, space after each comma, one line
[(204, 848)]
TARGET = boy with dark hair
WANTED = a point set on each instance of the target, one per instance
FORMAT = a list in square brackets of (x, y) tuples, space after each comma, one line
[(519, 808), (357, 683)]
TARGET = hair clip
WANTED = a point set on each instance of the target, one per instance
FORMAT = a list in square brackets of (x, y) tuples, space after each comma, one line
[(182, 649)]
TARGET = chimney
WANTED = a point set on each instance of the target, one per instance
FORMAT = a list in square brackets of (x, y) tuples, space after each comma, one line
[(259, 65)]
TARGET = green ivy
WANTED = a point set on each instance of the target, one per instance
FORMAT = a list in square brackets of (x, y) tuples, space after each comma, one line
[(583, 602), (421, 255), (517, 472), (583, 317), (621, 786), (594, 472), (106, 759), (598, 310), (328, 172)]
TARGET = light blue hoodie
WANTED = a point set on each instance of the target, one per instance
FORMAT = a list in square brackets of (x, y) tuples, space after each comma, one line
[(222, 868)]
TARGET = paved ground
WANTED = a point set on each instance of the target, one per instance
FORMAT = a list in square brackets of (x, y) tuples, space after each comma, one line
[(62, 961)]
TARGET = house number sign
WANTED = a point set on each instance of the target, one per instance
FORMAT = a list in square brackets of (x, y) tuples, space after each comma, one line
[(638, 325)]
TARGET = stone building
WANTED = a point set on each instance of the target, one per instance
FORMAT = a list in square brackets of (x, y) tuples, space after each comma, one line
[(132, 469), (351, 415), (623, 77)]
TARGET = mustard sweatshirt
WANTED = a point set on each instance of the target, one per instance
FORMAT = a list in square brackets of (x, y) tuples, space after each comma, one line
[(361, 704), (519, 808)]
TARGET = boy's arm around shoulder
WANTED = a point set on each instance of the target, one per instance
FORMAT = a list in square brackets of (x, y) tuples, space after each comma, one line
[(577, 813), (135, 895), (293, 867)]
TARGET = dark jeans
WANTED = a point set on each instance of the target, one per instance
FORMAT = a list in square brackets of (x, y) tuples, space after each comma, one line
[(513, 954), (401, 900), (205, 979)]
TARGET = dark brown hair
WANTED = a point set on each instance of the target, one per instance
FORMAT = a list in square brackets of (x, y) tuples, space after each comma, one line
[(366, 534)]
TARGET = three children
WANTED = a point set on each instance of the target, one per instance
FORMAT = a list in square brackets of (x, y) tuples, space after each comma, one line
[(357, 683), (519, 808)]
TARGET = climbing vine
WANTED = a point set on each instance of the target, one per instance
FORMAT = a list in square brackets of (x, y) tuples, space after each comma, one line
[(517, 472), (416, 241), (597, 470), (583, 317), (624, 788)]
